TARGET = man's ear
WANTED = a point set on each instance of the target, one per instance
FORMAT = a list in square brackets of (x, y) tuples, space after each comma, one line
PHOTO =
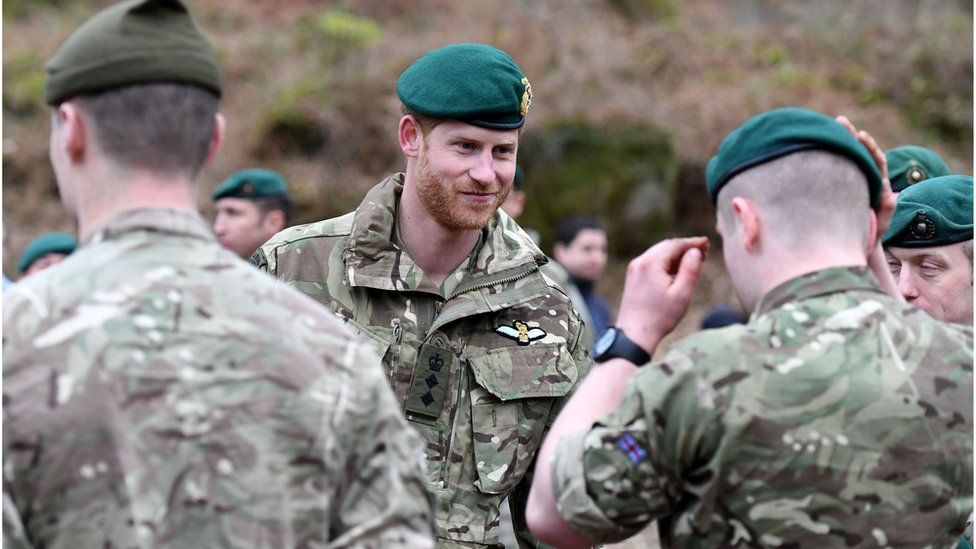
[(872, 232), (73, 131), (217, 139), (275, 220), (748, 222), (410, 136)]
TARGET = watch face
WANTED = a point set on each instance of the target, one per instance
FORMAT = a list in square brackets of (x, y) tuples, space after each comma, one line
[(605, 341)]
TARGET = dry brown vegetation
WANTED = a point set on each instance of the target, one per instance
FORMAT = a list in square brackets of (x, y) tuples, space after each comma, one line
[(310, 84)]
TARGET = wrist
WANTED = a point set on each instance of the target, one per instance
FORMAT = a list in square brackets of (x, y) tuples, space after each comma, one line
[(616, 343)]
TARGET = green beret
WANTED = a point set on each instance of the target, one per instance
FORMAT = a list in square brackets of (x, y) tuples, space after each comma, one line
[(473, 83), (780, 132), (133, 42), (48, 243), (935, 212), (252, 183), (910, 164)]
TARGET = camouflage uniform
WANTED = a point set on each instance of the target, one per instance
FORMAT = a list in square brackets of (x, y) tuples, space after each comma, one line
[(838, 417), (480, 365), (158, 392)]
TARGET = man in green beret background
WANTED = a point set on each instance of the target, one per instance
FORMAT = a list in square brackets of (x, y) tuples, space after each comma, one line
[(252, 206), (837, 416), (929, 247), (911, 164), (45, 251), (145, 403), (480, 348)]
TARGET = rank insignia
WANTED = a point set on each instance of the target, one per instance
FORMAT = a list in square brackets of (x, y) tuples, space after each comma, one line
[(521, 332), (629, 446), (526, 97), (922, 227)]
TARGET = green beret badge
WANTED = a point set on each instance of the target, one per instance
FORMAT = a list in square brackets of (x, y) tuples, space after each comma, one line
[(915, 173), (922, 227), (526, 97)]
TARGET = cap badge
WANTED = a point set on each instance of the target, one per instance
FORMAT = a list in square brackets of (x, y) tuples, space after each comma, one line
[(247, 189), (915, 174), (526, 97), (521, 332), (922, 227)]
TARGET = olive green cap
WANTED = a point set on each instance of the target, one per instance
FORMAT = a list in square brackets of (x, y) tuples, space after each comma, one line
[(47, 243), (252, 183), (935, 212), (133, 42), (910, 164), (780, 132), (474, 83)]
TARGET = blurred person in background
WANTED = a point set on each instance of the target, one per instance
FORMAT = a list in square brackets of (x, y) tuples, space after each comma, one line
[(145, 404), (252, 206), (45, 251), (580, 247), (929, 247), (911, 164)]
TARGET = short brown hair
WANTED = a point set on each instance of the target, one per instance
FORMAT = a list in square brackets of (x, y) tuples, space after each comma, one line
[(163, 127)]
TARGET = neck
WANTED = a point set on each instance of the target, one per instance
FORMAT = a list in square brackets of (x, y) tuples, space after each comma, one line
[(122, 190), (436, 249), (783, 266)]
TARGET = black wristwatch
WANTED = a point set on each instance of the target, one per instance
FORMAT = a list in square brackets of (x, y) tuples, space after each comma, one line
[(614, 343)]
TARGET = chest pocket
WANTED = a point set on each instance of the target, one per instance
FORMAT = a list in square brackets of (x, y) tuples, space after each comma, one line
[(377, 343), (512, 395)]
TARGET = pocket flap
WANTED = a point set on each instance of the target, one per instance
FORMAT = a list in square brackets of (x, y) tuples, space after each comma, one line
[(378, 344), (534, 371)]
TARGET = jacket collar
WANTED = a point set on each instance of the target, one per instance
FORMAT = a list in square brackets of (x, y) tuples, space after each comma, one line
[(374, 260), (165, 220), (818, 283)]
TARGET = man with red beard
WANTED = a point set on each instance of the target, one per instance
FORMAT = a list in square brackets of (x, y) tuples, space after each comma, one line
[(481, 349)]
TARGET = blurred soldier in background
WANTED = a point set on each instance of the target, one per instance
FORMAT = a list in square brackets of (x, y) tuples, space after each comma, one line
[(911, 164), (838, 416), (479, 347), (252, 206), (45, 251), (929, 247), (146, 404)]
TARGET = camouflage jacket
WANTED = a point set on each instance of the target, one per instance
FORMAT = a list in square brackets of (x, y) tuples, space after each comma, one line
[(837, 417), (480, 371), (160, 392)]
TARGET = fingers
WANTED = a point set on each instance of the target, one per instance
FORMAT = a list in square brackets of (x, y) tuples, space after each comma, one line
[(879, 157), (688, 270), (844, 121)]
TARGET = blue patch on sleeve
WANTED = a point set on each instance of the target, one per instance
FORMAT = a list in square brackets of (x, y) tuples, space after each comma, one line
[(629, 446)]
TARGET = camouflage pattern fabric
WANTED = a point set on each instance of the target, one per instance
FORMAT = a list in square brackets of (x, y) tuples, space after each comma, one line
[(480, 365), (838, 417), (557, 273), (159, 392)]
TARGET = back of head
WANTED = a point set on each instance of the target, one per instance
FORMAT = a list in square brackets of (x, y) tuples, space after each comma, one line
[(809, 200), (147, 79)]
